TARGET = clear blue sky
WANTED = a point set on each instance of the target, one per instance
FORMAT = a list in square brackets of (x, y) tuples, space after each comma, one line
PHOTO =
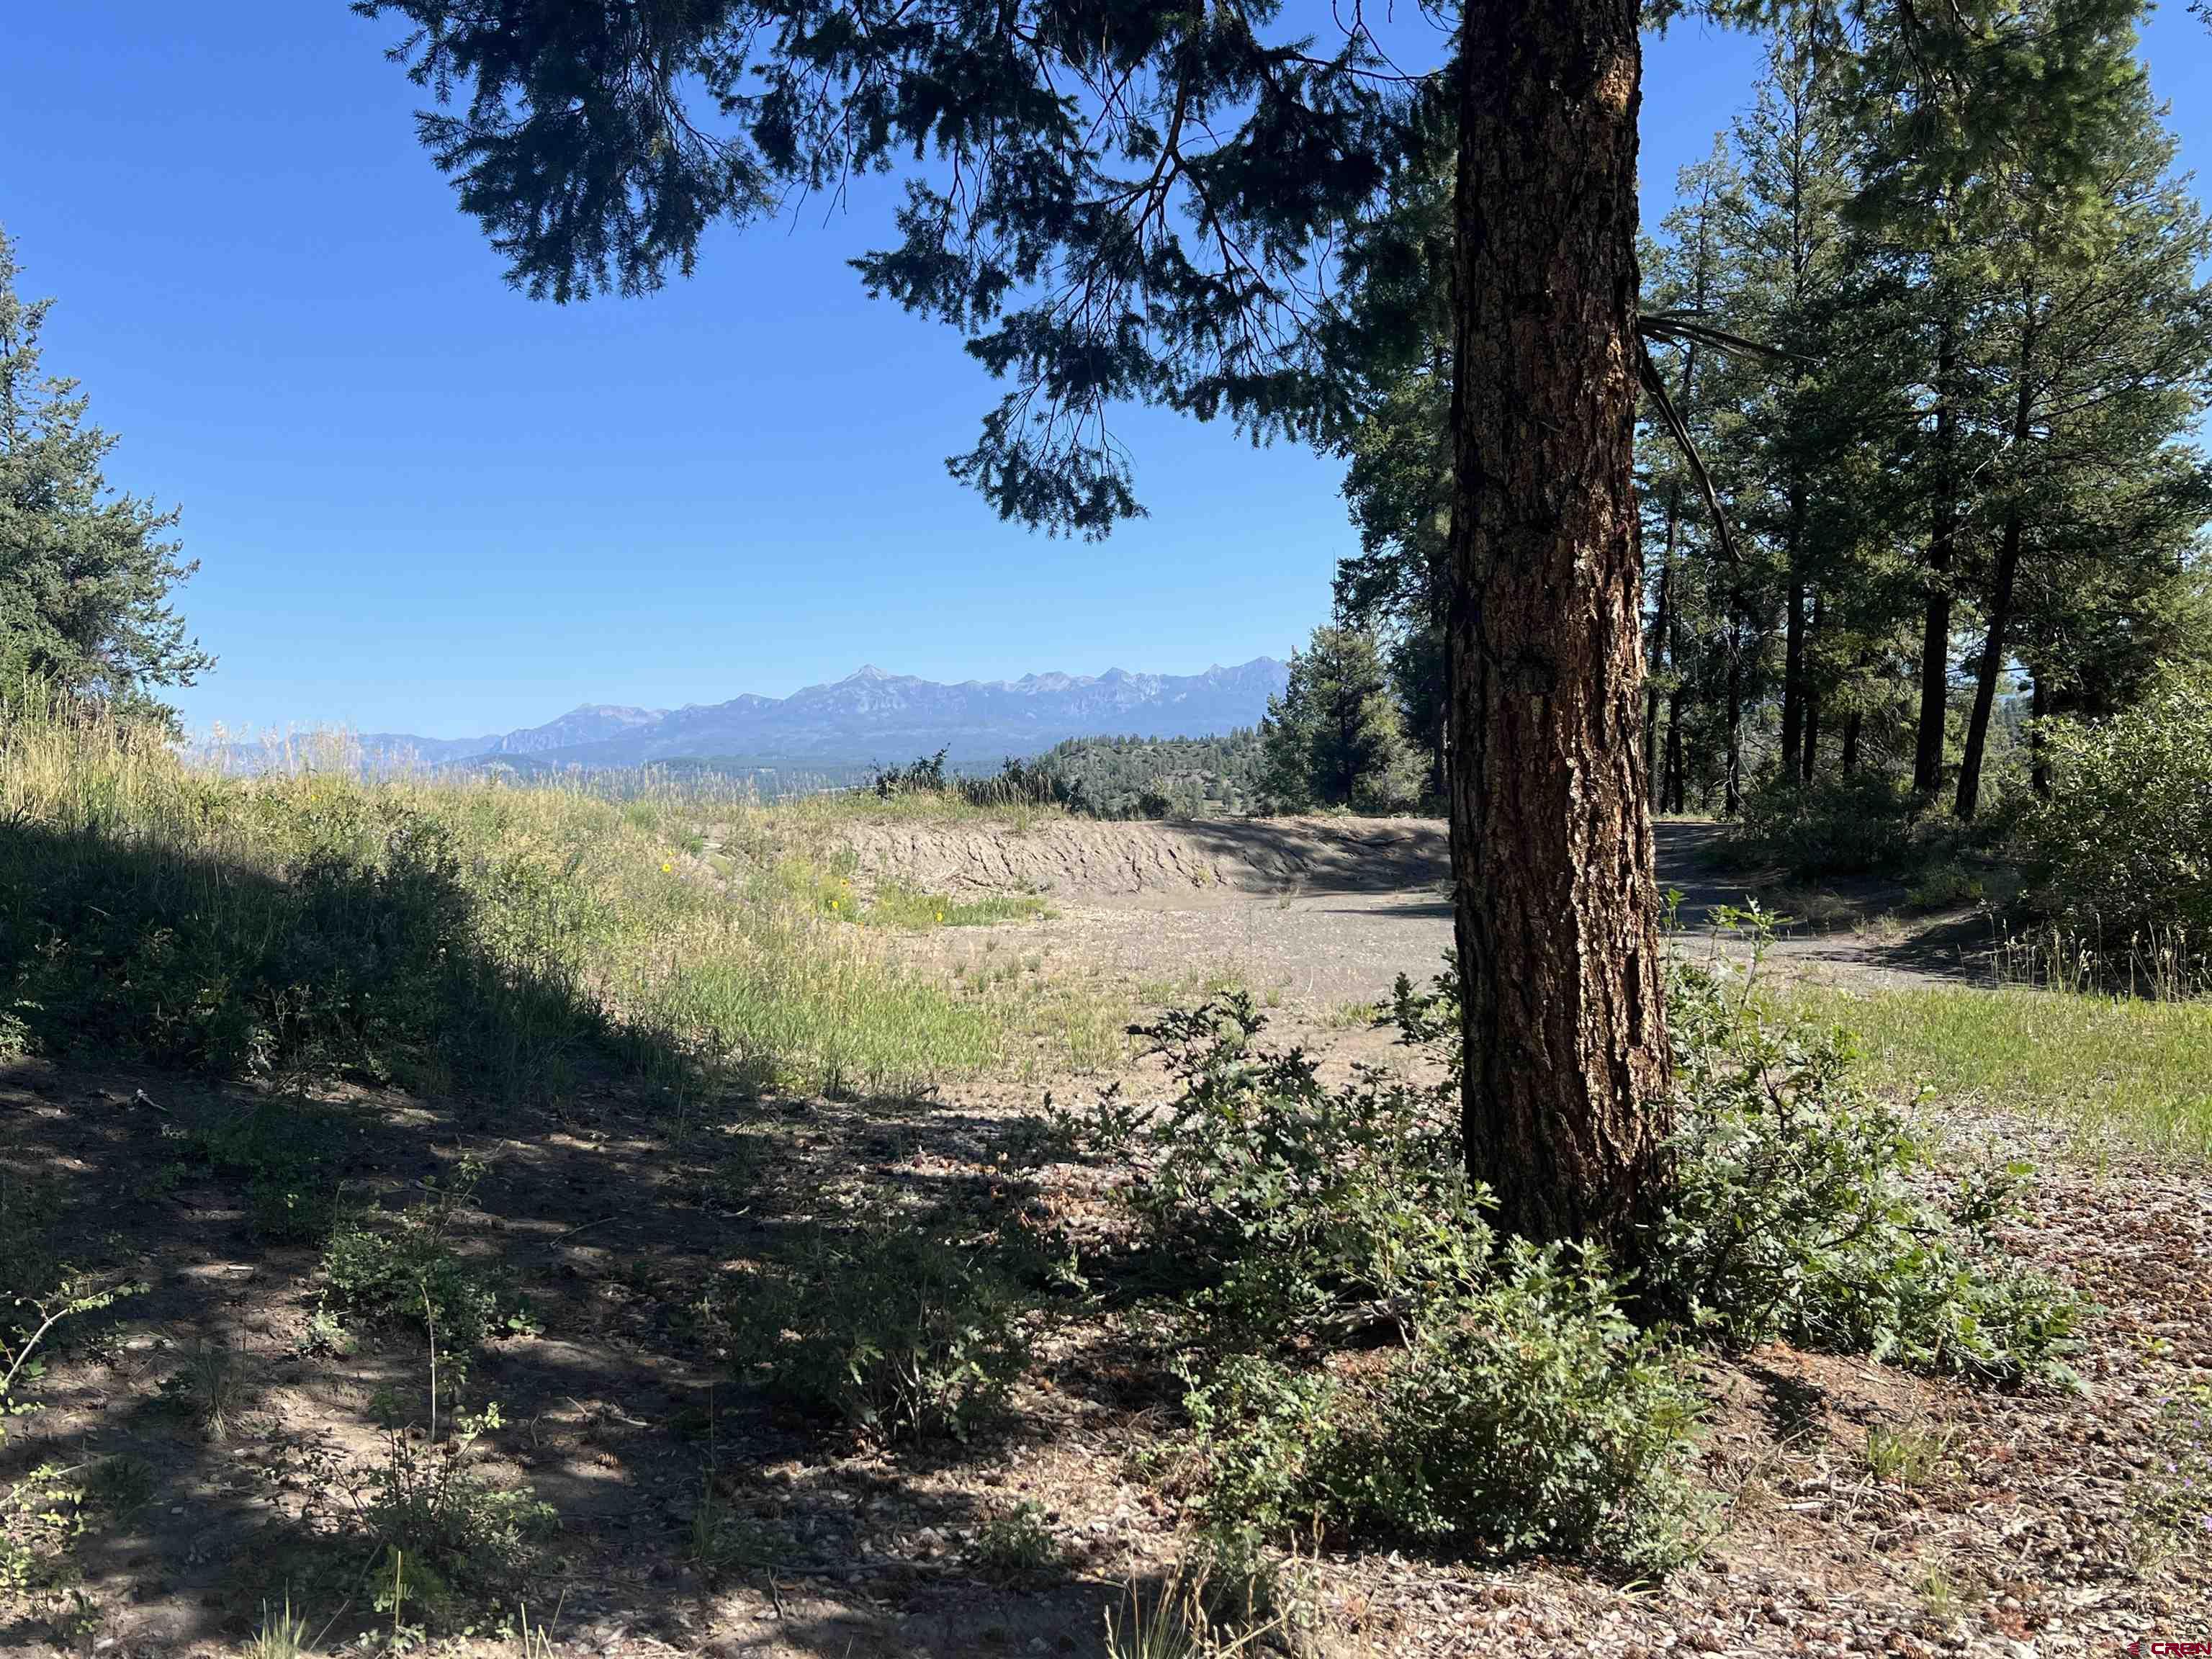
[(423, 503)]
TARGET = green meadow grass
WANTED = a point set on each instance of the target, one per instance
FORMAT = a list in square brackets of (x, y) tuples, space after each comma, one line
[(452, 932), (2135, 1069)]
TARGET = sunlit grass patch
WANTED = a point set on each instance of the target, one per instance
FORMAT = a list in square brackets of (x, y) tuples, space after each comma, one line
[(897, 906), (452, 933), (825, 885), (2140, 1071)]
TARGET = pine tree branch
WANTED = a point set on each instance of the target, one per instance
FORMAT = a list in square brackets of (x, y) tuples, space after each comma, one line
[(1655, 384), (1682, 329)]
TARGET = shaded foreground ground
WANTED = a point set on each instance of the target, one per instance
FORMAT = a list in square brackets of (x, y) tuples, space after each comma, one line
[(622, 1221)]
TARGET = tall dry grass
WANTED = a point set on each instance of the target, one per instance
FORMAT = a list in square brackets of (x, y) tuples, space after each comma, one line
[(454, 931)]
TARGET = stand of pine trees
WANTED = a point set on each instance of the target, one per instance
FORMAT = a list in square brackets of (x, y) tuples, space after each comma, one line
[(1961, 482)]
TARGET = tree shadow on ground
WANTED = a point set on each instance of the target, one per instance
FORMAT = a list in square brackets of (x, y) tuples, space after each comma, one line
[(617, 1214), (1361, 855)]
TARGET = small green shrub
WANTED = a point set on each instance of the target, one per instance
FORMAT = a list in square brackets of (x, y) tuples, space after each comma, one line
[(1497, 1399), (1796, 1214), (2123, 846), (447, 1537), (1529, 1413), (890, 1331), (286, 1152), (2173, 1508), (403, 1273), (1304, 1205), (1016, 1540)]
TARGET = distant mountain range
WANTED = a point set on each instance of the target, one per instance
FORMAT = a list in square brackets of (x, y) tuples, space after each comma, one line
[(865, 717)]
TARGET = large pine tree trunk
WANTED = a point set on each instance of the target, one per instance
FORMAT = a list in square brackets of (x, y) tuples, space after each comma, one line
[(1564, 1104), (1942, 543)]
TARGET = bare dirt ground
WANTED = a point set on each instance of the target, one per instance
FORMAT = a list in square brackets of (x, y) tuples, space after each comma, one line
[(2019, 1540), (1327, 912), (623, 1227)]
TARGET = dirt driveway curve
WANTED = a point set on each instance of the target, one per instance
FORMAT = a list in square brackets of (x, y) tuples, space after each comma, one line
[(1323, 911)]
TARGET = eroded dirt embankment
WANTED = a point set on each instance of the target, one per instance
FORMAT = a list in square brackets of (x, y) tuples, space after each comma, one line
[(1332, 909), (1082, 860)]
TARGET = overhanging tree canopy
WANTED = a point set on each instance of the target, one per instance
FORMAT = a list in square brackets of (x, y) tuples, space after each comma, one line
[(1144, 200)]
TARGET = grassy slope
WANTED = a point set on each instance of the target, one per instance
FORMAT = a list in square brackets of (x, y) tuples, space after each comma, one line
[(2138, 1070), (314, 922)]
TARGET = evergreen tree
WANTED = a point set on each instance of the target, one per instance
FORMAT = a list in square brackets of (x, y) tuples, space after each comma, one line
[(85, 572), (1785, 232), (1334, 736), (1698, 598), (2104, 348), (1131, 202)]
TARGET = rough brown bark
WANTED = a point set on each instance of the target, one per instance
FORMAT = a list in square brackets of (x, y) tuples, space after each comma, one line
[(1943, 541), (1852, 722), (1564, 1105)]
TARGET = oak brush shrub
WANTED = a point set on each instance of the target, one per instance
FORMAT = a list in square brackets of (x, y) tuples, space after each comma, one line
[(1305, 1207), (1366, 1359), (2123, 846), (1801, 1209), (1527, 1412)]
